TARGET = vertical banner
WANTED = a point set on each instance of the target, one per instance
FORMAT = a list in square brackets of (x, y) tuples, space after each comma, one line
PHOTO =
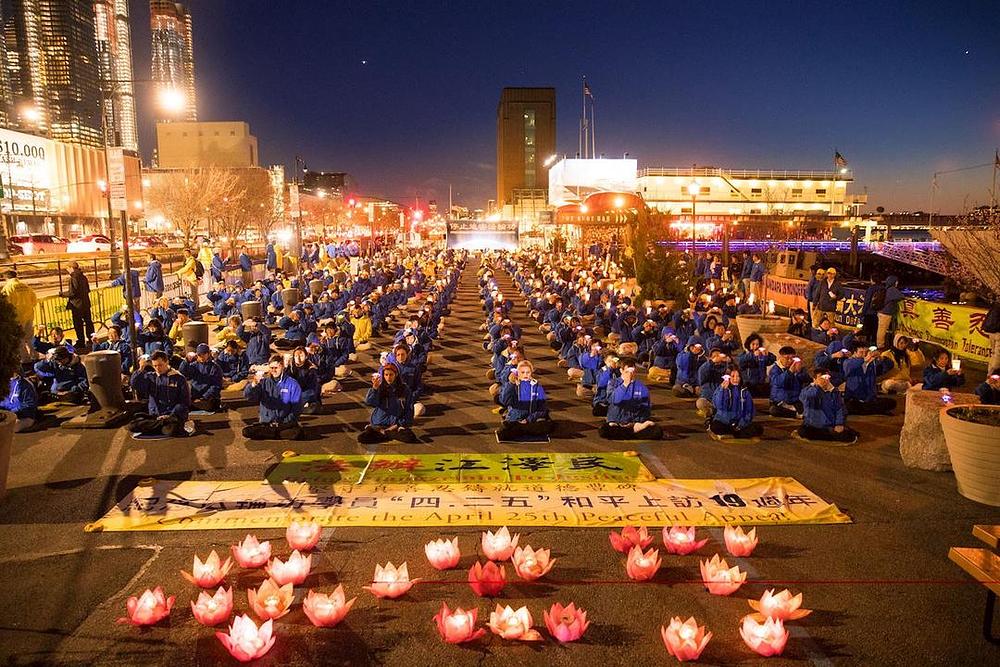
[(116, 179), (293, 199)]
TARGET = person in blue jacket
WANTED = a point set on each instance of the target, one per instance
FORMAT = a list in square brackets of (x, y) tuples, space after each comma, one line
[(824, 415), (787, 378), (861, 371), (523, 402), (68, 376), (246, 266), (154, 339), (590, 365), (988, 392), (607, 376), (629, 409), (663, 366), (169, 397), (941, 375), (257, 337), (305, 373), (709, 378), (271, 257), (753, 365), (234, 363), (154, 277), (115, 343), (205, 376), (280, 399), (22, 400), (136, 293), (218, 266), (688, 363), (392, 408), (734, 410)]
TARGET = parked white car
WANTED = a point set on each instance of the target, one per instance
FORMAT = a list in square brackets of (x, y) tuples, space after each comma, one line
[(92, 243)]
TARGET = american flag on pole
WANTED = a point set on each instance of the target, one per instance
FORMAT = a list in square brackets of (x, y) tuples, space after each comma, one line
[(839, 159), (586, 90)]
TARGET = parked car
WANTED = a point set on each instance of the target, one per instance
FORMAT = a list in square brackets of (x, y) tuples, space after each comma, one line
[(91, 243), (145, 242), (39, 244), (13, 249)]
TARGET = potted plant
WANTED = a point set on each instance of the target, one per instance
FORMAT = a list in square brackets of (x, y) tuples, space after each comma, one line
[(10, 363), (972, 434)]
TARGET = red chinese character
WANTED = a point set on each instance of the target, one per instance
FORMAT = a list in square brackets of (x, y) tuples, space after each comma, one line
[(908, 308), (976, 323), (942, 319), (392, 464)]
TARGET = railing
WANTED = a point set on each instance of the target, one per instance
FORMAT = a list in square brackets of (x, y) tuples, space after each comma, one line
[(51, 311), (761, 174)]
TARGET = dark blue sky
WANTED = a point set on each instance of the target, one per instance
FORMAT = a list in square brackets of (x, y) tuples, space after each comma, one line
[(901, 89)]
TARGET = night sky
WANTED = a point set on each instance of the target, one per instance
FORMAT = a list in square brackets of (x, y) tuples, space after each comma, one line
[(403, 95)]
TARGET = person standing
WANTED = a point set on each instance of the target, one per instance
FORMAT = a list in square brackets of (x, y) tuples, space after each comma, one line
[(78, 303), (757, 272), (991, 327), (205, 258), (812, 294), (154, 278), (23, 298), (270, 258), (887, 312), (133, 283), (828, 293), (246, 266), (188, 273)]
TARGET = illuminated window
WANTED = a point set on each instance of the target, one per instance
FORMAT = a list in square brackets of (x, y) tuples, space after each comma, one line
[(529, 148), (756, 192), (796, 193), (821, 192), (705, 191)]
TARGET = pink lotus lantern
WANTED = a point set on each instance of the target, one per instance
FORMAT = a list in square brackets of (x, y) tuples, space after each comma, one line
[(245, 640), (783, 606), (511, 624), (685, 641), (390, 582), (766, 638), (149, 608), (738, 543), (213, 609), (250, 553), (292, 571), (209, 573), (269, 601), (456, 627), (531, 564), (681, 540), (719, 578), (326, 611), (303, 535), (566, 624), (499, 546), (630, 537), (642, 566), (487, 580), (443, 554)]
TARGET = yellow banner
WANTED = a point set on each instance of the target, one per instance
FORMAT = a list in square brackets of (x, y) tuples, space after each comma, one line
[(958, 329), (169, 505), (326, 469)]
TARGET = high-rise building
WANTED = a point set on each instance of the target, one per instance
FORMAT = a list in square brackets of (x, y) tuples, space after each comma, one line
[(173, 52), (526, 137), (114, 52), (52, 69), (184, 145)]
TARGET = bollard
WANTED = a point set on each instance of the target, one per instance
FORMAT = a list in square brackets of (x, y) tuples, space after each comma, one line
[(316, 287), (104, 372), (194, 332), (252, 309), (290, 297)]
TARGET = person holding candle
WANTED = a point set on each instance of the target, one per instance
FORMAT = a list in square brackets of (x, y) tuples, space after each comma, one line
[(524, 403), (169, 397), (861, 371), (786, 378), (734, 409), (943, 373), (280, 399), (901, 358), (824, 415), (629, 409), (710, 376), (688, 363), (989, 391), (392, 408), (753, 365)]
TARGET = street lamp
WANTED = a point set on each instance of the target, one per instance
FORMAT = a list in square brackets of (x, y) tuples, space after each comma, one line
[(693, 189)]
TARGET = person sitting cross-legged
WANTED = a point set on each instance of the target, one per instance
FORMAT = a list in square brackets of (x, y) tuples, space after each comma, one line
[(786, 378), (824, 416), (206, 378), (67, 374), (22, 400), (629, 408), (734, 411), (523, 400), (169, 397), (392, 408), (280, 400), (989, 391), (861, 371)]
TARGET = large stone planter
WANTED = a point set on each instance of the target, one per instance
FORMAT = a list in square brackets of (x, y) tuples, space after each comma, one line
[(975, 452), (921, 441), (804, 348), (7, 421), (762, 324)]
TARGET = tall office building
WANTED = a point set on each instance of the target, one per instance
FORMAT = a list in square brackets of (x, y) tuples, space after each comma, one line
[(114, 52), (173, 52), (526, 137), (52, 69)]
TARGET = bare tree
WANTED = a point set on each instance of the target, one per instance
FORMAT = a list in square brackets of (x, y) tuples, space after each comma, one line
[(187, 198), (974, 247), (249, 201)]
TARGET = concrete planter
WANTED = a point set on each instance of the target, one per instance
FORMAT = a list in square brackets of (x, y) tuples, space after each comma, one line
[(974, 449), (7, 421), (762, 324)]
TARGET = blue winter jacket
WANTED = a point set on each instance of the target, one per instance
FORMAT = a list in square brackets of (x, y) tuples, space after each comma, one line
[(235, 367), (935, 378), (169, 394), (523, 400), (154, 276), (65, 377), (688, 364), (123, 349), (753, 367), (308, 379), (392, 405), (258, 343), (280, 400), (590, 364), (21, 399), (822, 409), (710, 377), (861, 378), (628, 405), (733, 405), (786, 386), (205, 378)]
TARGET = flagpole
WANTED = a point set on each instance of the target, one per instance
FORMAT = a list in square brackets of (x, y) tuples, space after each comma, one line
[(593, 127), (583, 121), (996, 165)]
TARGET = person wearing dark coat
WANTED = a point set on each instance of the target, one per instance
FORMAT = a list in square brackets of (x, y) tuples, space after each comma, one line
[(524, 403), (205, 376), (22, 400), (392, 408), (824, 415), (861, 371), (280, 399), (941, 374), (68, 376), (169, 397), (78, 304), (629, 409), (989, 391), (734, 409), (257, 337)]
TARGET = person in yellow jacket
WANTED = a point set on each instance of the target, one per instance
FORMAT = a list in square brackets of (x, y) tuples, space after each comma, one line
[(205, 257), (362, 328), (904, 355), (24, 299), (189, 277)]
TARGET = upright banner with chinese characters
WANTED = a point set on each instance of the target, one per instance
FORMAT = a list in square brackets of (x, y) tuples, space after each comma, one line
[(446, 468), (955, 328), (171, 505)]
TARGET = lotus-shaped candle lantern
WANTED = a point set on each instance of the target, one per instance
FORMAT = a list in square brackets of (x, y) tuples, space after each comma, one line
[(209, 573), (514, 624), (681, 540), (149, 608), (685, 640), (766, 638), (270, 601), (630, 537), (326, 611), (250, 553), (487, 580), (443, 554), (303, 535), (292, 571), (642, 566), (390, 581), (499, 546), (530, 564), (784, 606), (245, 640), (213, 609), (566, 624), (458, 626), (719, 578), (738, 543)]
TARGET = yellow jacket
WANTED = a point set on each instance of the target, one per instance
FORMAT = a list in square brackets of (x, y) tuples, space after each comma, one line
[(187, 272), (22, 297), (205, 257), (362, 329), (903, 372)]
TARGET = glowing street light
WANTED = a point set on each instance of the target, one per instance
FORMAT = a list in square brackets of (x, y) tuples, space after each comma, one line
[(31, 113), (172, 100)]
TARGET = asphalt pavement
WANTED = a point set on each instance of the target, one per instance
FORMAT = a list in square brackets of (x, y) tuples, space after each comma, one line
[(883, 589)]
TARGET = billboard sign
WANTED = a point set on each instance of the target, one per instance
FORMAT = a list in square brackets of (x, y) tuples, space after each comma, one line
[(116, 179), (572, 180), (26, 167)]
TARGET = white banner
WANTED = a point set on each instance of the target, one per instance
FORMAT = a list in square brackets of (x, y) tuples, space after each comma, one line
[(116, 179)]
